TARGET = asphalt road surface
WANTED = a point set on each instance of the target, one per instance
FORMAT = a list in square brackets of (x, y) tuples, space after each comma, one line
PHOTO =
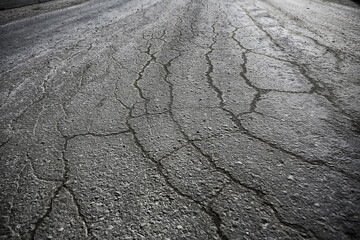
[(192, 119)]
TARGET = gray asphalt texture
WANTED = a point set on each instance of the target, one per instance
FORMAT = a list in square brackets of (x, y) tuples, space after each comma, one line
[(192, 119), (14, 14)]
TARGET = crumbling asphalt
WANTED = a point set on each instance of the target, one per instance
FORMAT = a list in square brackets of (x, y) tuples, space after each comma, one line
[(192, 119)]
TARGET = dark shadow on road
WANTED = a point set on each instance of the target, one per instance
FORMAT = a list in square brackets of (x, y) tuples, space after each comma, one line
[(32, 10)]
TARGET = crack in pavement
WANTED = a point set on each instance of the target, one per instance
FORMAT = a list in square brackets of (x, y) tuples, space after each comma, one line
[(336, 52), (159, 166), (11, 202), (316, 88), (88, 230), (160, 169), (63, 184), (44, 95), (259, 193), (141, 74), (31, 163), (324, 91), (186, 33)]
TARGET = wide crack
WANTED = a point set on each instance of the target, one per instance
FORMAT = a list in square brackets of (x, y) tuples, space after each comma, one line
[(158, 163), (258, 192), (315, 89), (323, 90)]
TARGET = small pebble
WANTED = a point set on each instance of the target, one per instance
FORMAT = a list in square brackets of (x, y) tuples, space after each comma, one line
[(290, 177), (265, 225)]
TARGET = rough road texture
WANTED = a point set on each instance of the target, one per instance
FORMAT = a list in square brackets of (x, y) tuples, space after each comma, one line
[(10, 15), (164, 119)]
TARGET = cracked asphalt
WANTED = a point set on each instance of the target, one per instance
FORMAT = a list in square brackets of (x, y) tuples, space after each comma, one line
[(191, 119)]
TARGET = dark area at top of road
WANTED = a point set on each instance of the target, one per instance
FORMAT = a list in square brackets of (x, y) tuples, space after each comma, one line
[(22, 12), (8, 4), (13, 10), (350, 3)]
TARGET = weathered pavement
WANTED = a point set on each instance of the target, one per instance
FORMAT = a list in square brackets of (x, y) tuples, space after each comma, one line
[(164, 119)]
